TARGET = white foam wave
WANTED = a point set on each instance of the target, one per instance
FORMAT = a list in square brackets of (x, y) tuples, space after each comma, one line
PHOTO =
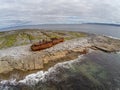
[(113, 37), (118, 52), (34, 78), (8, 82), (42, 76)]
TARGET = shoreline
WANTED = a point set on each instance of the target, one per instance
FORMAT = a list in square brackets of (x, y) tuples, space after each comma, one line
[(26, 60), (54, 73), (51, 64)]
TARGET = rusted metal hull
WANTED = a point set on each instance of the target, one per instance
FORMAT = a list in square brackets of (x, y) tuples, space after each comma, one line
[(57, 41), (47, 44)]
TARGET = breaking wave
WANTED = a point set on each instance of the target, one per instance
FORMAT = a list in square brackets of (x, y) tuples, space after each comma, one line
[(41, 76)]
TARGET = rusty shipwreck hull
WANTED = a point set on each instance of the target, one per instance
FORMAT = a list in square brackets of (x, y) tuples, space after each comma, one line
[(46, 44)]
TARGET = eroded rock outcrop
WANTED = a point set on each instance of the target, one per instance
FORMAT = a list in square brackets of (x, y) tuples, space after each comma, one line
[(22, 58), (106, 44)]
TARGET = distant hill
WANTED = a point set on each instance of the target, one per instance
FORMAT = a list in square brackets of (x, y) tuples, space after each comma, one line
[(110, 24)]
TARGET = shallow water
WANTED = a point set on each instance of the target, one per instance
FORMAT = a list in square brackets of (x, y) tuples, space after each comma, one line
[(94, 71)]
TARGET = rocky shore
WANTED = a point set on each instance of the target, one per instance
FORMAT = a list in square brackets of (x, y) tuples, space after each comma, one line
[(23, 59), (82, 60), (96, 70)]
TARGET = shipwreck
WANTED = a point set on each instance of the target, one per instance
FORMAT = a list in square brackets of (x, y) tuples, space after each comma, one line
[(46, 44)]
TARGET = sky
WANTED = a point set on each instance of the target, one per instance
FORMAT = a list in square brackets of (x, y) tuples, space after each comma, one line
[(34, 12)]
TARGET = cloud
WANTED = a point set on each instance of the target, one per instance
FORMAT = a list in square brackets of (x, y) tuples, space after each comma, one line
[(16, 12)]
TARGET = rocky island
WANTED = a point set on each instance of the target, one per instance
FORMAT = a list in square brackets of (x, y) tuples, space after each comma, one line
[(17, 56)]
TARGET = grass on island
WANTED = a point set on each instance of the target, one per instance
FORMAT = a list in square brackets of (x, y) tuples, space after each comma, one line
[(24, 37)]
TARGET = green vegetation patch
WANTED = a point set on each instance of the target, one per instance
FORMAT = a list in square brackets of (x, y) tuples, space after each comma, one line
[(77, 34), (8, 40), (23, 37)]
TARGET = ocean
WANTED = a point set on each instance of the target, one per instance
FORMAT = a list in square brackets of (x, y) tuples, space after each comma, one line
[(102, 29)]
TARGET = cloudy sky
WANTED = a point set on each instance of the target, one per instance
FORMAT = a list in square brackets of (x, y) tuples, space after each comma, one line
[(33, 12)]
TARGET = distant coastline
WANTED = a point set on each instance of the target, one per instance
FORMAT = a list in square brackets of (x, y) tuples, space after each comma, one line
[(94, 28), (39, 26)]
